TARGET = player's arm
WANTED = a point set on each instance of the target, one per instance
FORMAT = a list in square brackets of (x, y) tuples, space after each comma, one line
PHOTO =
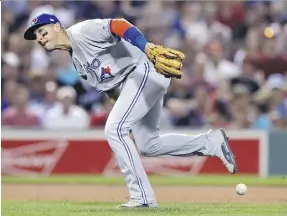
[(129, 32), (167, 61)]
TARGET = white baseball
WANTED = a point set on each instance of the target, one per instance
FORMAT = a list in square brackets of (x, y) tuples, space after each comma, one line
[(241, 189)]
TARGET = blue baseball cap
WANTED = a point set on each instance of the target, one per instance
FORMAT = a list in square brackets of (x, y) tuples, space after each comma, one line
[(39, 21)]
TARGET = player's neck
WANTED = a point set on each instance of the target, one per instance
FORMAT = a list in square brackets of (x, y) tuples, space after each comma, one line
[(64, 42)]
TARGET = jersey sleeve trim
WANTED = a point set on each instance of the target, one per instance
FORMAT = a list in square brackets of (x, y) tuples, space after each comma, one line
[(110, 26), (129, 32), (119, 26)]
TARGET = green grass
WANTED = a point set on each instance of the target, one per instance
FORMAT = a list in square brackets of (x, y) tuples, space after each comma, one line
[(201, 180), (41, 208)]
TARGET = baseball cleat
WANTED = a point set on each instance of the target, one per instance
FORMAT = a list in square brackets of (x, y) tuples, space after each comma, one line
[(223, 150), (136, 204)]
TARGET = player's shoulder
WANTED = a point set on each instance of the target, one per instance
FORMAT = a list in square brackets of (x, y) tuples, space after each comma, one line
[(76, 28), (86, 24)]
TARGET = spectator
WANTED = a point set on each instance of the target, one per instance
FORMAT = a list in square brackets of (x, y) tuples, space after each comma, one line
[(262, 110), (185, 108), (36, 81), (215, 29), (19, 114), (65, 73), (241, 110), (262, 119), (39, 59), (11, 64), (221, 114), (192, 25), (67, 115), (4, 36), (233, 49), (9, 92), (232, 14), (198, 77), (217, 67), (133, 8), (278, 86), (270, 61), (49, 100)]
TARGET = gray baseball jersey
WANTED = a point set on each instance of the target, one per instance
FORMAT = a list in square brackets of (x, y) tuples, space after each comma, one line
[(100, 57), (106, 61)]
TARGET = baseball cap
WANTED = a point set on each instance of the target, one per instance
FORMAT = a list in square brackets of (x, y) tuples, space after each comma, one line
[(39, 21), (275, 81), (66, 91)]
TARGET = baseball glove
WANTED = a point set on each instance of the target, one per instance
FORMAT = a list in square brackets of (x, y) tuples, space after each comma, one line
[(167, 61)]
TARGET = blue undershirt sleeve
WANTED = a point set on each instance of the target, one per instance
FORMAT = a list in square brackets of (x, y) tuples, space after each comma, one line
[(135, 37)]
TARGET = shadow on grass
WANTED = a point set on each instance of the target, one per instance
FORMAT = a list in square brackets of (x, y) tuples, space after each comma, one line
[(165, 210)]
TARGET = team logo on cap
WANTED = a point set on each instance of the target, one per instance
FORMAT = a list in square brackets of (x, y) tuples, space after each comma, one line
[(34, 21)]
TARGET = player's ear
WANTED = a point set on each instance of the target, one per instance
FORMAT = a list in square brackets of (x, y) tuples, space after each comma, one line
[(57, 27)]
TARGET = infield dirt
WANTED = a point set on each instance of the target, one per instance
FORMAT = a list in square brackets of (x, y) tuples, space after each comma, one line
[(166, 194)]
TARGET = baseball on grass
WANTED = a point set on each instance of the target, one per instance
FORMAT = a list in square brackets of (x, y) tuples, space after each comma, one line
[(241, 189)]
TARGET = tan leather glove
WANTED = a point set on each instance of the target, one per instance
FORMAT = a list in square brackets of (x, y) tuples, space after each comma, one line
[(167, 61)]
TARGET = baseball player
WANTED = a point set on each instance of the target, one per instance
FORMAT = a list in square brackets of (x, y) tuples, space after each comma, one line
[(110, 54)]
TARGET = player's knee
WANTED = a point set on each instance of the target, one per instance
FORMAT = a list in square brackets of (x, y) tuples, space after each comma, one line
[(150, 148), (144, 151), (114, 132), (111, 131)]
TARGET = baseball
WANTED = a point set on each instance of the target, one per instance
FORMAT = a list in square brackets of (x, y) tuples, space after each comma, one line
[(241, 189)]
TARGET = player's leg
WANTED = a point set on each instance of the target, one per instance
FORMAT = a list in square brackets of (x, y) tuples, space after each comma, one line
[(138, 95), (212, 143)]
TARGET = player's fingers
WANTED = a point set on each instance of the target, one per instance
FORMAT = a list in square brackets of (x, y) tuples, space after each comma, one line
[(170, 62)]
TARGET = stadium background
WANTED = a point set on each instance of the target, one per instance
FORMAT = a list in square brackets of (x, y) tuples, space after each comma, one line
[(235, 76)]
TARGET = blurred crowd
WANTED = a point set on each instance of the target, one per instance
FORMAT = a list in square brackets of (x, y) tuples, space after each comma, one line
[(235, 71)]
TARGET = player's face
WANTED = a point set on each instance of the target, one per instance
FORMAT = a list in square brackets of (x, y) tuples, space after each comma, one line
[(46, 37)]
